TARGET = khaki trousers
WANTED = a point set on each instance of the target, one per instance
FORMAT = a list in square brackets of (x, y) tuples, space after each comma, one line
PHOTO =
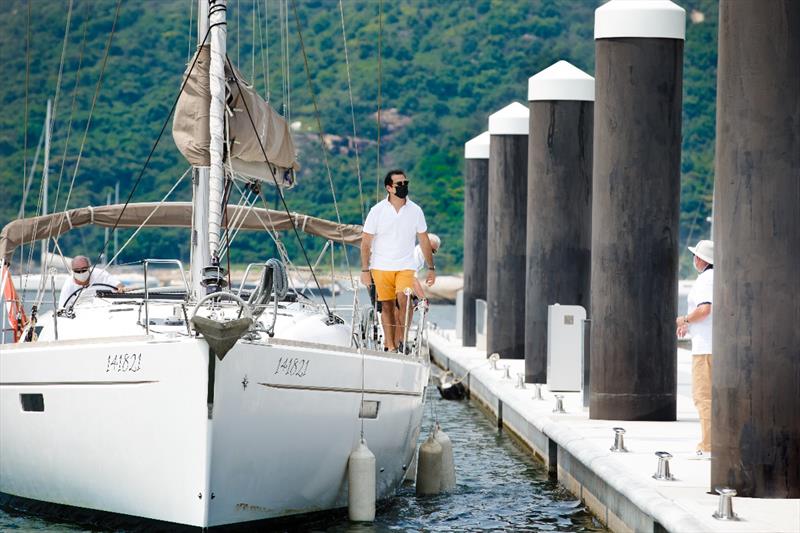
[(701, 394)]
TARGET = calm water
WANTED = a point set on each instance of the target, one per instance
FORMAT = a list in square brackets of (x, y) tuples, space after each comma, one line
[(500, 487)]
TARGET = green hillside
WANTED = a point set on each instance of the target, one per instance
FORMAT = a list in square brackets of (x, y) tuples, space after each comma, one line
[(444, 67)]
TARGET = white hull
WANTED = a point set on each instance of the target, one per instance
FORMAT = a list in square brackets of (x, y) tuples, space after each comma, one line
[(132, 435)]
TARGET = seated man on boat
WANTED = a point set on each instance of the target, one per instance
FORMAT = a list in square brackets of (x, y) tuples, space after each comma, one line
[(387, 253), (84, 277)]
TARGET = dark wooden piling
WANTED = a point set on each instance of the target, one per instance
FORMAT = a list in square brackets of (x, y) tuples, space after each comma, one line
[(559, 223), (635, 208), (755, 425), (505, 269), (476, 205)]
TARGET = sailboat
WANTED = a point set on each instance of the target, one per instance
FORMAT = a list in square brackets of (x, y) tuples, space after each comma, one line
[(203, 404)]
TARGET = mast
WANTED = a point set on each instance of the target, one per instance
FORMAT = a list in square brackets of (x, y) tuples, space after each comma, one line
[(219, 31), (200, 255), (45, 175)]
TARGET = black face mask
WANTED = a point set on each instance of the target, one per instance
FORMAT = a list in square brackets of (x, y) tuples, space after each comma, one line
[(401, 191)]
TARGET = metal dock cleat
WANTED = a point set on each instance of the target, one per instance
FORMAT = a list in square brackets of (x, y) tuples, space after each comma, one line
[(725, 508), (663, 473), (619, 441)]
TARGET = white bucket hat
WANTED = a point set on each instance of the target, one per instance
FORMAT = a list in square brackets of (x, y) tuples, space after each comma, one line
[(704, 250)]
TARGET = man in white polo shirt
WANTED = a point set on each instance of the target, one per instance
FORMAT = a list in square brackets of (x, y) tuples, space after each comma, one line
[(387, 253), (698, 323)]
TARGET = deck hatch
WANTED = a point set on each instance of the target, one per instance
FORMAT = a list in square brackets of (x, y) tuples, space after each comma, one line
[(32, 402)]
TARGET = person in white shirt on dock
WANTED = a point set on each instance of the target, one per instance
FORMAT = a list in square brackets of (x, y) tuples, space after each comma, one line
[(698, 323), (84, 277), (387, 253)]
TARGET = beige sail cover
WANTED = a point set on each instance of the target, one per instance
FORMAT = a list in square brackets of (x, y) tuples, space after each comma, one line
[(190, 128), (173, 214)]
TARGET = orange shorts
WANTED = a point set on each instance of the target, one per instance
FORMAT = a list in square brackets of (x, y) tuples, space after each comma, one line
[(389, 282)]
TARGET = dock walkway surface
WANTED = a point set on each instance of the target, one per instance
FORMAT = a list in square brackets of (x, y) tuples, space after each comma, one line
[(617, 487)]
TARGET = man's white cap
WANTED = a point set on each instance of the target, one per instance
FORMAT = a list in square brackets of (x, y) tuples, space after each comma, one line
[(561, 81), (704, 250), (511, 120), (659, 19), (477, 147)]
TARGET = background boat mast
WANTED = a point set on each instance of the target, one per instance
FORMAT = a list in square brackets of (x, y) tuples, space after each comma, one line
[(45, 173), (201, 255)]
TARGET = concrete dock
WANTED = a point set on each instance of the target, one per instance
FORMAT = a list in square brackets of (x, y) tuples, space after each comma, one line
[(617, 487)]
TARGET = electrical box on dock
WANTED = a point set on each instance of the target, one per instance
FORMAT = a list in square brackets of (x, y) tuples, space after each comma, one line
[(565, 347)]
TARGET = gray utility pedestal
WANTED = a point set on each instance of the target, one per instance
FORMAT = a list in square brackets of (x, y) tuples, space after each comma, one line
[(565, 347)]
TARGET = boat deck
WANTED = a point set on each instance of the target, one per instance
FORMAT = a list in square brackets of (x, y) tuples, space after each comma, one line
[(617, 487)]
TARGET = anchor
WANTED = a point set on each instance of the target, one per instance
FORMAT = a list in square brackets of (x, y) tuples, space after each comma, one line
[(222, 336)]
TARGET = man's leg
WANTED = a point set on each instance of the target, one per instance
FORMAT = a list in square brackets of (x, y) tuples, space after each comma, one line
[(701, 394), (400, 330), (385, 289), (388, 320), (404, 280)]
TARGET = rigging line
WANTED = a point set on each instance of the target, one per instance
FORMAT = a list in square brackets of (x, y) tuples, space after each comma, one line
[(352, 113), (61, 67), (189, 38), (153, 212), (266, 38), (225, 196), (380, 89), (288, 66), (152, 150), (321, 139), (253, 46), (52, 118), (283, 57), (278, 189), (27, 187), (48, 126), (276, 236), (95, 97), (29, 262), (242, 206), (72, 110), (25, 117), (27, 85), (261, 51)]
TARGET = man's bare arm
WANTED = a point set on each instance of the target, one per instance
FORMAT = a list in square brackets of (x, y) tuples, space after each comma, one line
[(366, 249), (427, 253)]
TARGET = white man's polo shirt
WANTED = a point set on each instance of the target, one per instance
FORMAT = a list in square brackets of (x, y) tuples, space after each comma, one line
[(395, 235), (702, 293)]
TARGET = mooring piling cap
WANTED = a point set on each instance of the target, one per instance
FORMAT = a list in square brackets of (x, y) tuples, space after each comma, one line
[(704, 250), (477, 147), (660, 19), (511, 120), (561, 81)]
